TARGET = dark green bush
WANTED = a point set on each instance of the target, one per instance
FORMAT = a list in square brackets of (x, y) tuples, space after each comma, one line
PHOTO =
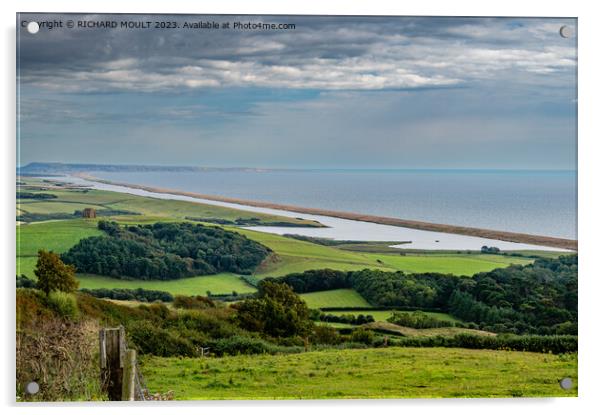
[(150, 339), (362, 335), (193, 302), (417, 320), (246, 345), (345, 318), (137, 294), (325, 335), (24, 282)]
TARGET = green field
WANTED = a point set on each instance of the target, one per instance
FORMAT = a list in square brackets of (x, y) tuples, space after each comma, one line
[(223, 283), (457, 264), (54, 207), (344, 297), (57, 236), (371, 373)]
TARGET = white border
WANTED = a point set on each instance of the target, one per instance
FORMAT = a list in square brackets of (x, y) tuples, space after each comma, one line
[(590, 271)]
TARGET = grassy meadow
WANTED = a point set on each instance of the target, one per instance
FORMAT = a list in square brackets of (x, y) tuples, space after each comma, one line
[(457, 264), (223, 283), (344, 297), (365, 373)]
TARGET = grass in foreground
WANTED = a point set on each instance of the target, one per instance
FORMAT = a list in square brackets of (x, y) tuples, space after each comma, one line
[(369, 373), (345, 297)]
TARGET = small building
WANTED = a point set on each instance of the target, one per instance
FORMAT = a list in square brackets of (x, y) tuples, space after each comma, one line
[(89, 213)]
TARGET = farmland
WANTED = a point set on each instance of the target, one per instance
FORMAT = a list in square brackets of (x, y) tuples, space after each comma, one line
[(334, 298), (409, 373), (70, 199), (458, 264), (291, 255), (224, 283)]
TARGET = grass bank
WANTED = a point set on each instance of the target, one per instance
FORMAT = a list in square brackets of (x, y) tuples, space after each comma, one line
[(365, 373)]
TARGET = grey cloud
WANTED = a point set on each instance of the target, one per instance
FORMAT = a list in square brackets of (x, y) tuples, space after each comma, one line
[(322, 53)]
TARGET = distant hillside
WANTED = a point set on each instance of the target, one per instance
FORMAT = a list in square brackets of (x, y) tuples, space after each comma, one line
[(38, 168)]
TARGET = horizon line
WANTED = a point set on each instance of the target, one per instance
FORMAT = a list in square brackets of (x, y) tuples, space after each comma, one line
[(183, 166)]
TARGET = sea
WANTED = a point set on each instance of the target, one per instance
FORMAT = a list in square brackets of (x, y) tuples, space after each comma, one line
[(526, 201)]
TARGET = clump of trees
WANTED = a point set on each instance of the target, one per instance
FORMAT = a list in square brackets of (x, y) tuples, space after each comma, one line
[(277, 312), (36, 196), (316, 280), (490, 249), (539, 298), (165, 251), (418, 320), (346, 318)]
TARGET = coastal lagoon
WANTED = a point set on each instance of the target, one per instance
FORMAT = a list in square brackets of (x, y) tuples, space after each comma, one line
[(337, 228)]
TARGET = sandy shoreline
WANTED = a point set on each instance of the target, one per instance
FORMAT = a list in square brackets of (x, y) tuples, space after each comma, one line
[(425, 226)]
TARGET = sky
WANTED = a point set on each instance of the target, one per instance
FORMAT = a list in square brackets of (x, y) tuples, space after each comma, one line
[(335, 92)]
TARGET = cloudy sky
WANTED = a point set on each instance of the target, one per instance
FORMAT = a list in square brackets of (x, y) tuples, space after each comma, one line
[(335, 92)]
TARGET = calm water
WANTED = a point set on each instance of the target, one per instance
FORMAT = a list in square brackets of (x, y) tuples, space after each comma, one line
[(542, 203)]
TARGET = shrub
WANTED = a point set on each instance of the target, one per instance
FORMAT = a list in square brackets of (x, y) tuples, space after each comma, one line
[(362, 335), (193, 302), (24, 282), (238, 344), (418, 320), (65, 304), (241, 345), (325, 335), (150, 339)]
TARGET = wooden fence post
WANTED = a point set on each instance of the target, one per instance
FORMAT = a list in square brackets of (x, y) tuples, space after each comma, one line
[(112, 359), (129, 376)]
